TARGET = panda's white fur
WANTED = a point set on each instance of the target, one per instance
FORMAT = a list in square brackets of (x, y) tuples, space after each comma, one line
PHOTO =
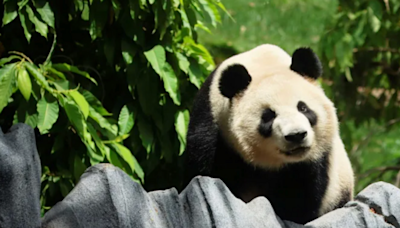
[(274, 84)]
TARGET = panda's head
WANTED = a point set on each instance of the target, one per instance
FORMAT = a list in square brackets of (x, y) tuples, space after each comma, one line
[(275, 114)]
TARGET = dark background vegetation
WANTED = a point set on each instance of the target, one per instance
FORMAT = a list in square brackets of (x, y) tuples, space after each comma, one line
[(113, 80)]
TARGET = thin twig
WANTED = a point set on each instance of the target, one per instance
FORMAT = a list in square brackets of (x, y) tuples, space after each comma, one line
[(21, 54), (373, 132), (99, 77), (378, 49), (387, 5), (51, 49), (381, 169)]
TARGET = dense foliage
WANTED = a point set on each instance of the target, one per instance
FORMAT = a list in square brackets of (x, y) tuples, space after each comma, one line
[(104, 81), (361, 50), (113, 80)]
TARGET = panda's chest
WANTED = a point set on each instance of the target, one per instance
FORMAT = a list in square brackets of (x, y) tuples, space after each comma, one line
[(295, 192)]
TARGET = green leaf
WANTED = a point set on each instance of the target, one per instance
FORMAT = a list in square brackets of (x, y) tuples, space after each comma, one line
[(96, 139), (181, 128), (109, 47), (126, 120), (56, 73), (156, 57), (148, 91), (22, 3), (85, 11), (81, 101), (43, 8), (8, 59), (171, 83), (183, 62), (24, 83), (211, 11), (79, 167), (75, 116), (116, 7), (126, 154), (98, 18), (7, 79), (103, 122), (65, 187), (146, 133), (128, 50), (68, 68), (10, 12), (48, 109), (195, 74), (40, 27), (59, 143), (375, 15), (197, 50), (26, 113), (34, 71), (26, 24), (95, 103)]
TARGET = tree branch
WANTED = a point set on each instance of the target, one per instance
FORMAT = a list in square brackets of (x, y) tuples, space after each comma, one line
[(376, 49), (382, 170), (51, 49)]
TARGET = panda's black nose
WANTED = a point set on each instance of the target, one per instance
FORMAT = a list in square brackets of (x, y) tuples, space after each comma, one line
[(296, 137)]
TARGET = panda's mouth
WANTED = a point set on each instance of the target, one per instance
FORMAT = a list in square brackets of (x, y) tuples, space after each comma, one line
[(296, 151)]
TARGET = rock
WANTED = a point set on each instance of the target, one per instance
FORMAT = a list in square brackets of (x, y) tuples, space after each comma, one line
[(106, 196), (19, 178)]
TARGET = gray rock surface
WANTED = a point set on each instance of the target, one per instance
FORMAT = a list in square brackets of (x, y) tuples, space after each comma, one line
[(19, 178), (106, 197)]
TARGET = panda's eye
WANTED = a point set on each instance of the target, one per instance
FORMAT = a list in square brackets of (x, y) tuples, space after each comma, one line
[(268, 115), (302, 107)]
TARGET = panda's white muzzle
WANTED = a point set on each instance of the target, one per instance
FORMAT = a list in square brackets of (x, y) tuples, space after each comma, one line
[(293, 133)]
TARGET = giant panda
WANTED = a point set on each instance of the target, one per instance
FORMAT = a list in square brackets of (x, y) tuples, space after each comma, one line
[(262, 124)]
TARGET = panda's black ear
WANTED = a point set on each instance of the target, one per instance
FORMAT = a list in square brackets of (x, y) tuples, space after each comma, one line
[(234, 79), (306, 63)]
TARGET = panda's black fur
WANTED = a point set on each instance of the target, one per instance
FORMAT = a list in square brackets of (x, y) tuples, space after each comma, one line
[(294, 197)]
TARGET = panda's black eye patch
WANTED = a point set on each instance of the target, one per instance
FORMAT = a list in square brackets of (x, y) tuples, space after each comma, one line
[(268, 115), (302, 107), (310, 114), (265, 127)]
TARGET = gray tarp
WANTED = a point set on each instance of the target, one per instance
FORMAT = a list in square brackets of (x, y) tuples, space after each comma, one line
[(107, 197)]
